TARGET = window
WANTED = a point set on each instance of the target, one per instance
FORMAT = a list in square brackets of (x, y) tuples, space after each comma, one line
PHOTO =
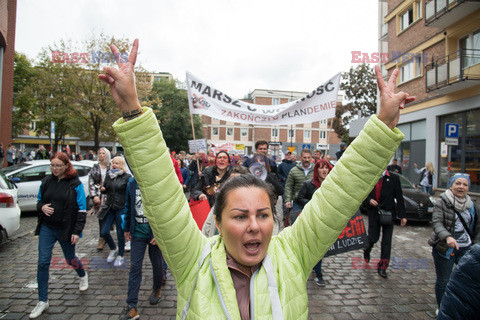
[(244, 132), (33, 125), (411, 69), (229, 131), (275, 101), (306, 134), (214, 131), (323, 134), (274, 133), (291, 133), (324, 121), (33, 174), (470, 46), (413, 13)]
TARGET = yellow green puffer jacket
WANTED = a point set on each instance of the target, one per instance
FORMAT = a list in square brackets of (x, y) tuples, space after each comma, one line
[(293, 252)]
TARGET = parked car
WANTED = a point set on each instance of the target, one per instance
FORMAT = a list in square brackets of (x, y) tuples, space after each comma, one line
[(28, 176), (9, 209), (418, 204)]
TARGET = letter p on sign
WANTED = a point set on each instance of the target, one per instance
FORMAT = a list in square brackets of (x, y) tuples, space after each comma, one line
[(451, 130)]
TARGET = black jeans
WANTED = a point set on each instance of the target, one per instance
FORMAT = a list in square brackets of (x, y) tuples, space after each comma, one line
[(374, 227)]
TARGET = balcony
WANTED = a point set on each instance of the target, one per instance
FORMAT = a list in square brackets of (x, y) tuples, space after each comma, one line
[(444, 13), (457, 71)]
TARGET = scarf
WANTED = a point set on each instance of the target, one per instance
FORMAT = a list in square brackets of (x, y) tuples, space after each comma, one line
[(459, 204), (113, 173)]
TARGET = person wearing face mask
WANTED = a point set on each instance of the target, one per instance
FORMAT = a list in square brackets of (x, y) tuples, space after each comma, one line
[(62, 214), (456, 227), (96, 177), (245, 272), (320, 172), (114, 188), (209, 183)]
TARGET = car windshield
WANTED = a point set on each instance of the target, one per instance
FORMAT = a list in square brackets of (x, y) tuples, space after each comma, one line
[(6, 170), (5, 183), (406, 184)]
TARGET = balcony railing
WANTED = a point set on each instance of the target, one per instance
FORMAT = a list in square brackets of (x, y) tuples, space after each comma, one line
[(443, 13), (456, 71)]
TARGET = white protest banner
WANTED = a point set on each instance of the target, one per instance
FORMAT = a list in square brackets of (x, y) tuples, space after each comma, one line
[(201, 145), (317, 105)]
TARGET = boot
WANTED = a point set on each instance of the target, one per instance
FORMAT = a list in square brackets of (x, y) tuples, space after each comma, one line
[(101, 244)]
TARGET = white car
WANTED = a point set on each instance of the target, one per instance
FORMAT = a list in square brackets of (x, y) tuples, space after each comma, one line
[(9, 209), (28, 177)]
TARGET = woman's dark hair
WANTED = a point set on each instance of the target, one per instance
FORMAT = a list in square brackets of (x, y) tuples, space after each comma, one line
[(216, 157), (239, 170), (182, 163), (243, 181), (70, 172)]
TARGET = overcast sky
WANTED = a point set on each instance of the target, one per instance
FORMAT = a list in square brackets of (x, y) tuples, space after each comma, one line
[(236, 46)]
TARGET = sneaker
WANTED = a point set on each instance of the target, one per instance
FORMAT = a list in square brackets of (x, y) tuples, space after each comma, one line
[(129, 313), (436, 312), (111, 255), (155, 297), (319, 281), (38, 310), (119, 261), (127, 246), (83, 283)]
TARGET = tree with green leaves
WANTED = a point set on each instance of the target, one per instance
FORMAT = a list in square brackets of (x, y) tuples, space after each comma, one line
[(65, 89), (360, 87), (24, 76), (170, 104)]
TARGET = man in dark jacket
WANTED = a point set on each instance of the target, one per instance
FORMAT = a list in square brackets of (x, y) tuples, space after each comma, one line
[(394, 167), (285, 167), (339, 153), (383, 196), (137, 228), (462, 299)]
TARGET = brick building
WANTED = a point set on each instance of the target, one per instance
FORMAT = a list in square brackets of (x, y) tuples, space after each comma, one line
[(436, 46), (8, 14), (316, 135)]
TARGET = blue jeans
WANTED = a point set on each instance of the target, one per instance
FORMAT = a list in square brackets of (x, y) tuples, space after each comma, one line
[(46, 241), (137, 252), (444, 268), (114, 216), (428, 189)]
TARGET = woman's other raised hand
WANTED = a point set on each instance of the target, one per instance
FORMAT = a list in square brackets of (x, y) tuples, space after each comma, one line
[(390, 102), (122, 80)]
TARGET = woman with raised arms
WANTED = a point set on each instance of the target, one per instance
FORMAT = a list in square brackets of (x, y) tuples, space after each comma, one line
[(244, 272)]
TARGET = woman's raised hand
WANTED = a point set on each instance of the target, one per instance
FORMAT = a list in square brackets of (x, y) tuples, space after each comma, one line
[(390, 102), (122, 80)]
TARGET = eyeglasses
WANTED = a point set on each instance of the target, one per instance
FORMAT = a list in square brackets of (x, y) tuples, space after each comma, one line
[(56, 165)]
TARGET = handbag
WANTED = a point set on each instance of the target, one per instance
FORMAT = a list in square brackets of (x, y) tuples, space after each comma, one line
[(104, 209), (385, 217)]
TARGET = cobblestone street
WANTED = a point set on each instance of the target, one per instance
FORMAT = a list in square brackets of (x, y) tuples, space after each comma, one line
[(352, 291)]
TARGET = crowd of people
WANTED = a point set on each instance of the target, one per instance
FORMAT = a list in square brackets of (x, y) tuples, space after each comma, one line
[(239, 267)]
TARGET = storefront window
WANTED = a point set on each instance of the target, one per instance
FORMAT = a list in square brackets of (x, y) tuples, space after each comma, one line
[(465, 156), (472, 147)]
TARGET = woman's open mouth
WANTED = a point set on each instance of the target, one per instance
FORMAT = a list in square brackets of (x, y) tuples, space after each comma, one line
[(252, 247)]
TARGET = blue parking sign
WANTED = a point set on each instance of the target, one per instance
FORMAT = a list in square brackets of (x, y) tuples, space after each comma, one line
[(451, 130)]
